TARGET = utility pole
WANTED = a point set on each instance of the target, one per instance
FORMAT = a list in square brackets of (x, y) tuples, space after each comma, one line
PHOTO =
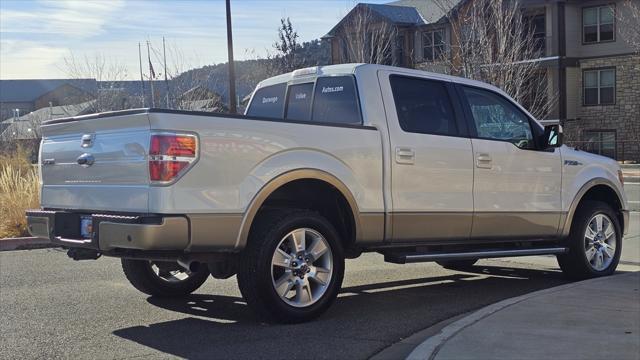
[(232, 71), (152, 76), (141, 76), (166, 81)]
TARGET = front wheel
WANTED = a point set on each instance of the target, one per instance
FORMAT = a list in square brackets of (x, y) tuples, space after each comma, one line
[(163, 278), (595, 242), (292, 268)]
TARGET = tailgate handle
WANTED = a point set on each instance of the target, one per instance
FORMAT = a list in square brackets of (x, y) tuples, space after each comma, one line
[(85, 160)]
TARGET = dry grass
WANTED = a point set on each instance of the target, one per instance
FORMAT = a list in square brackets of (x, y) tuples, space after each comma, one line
[(19, 191)]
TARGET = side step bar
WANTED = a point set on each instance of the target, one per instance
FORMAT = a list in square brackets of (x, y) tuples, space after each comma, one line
[(406, 258)]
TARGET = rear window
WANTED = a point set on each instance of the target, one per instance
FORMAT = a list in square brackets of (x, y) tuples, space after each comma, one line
[(299, 102), (423, 106), (268, 102), (332, 100), (336, 101)]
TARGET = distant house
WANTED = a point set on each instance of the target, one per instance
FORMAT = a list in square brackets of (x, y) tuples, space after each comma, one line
[(26, 127), (592, 71), (20, 97)]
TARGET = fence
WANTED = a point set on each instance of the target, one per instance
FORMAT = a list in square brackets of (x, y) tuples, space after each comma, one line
[(627, 150)]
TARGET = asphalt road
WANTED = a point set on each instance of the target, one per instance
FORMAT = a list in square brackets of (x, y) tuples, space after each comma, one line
[(53, 307), (633, 195)]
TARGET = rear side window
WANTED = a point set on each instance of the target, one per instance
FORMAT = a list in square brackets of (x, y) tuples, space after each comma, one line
[(299, 102), (423, 106), (268, 102), (336, 101)]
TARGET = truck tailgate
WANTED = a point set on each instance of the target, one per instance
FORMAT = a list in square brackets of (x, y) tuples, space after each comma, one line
[(97, 163)]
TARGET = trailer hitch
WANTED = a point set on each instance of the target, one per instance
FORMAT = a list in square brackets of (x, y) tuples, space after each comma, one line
[(83, 254)]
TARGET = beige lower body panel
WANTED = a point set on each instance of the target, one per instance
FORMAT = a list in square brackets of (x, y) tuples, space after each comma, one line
[(371, 228), (210, 232), (430, 226), (515, 224), (407, 227)]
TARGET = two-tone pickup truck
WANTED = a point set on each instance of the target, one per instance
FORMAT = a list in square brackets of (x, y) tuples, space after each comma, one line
[(327, 163)]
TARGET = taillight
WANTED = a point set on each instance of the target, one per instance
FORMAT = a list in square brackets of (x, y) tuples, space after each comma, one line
[(170, 155)]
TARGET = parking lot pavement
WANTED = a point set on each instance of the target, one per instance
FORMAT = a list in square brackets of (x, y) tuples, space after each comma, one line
[(632, 191), (51, 306)]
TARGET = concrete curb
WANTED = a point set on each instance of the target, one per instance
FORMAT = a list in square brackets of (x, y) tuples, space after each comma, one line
[(25, 243), (432, 345)]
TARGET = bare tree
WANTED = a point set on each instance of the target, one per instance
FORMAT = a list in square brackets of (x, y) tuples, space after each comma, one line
[(286, 47), (367, 38), (491, 41), (629, 18), (109, 75)]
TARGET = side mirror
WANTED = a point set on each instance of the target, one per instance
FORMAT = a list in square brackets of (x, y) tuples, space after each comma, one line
[(553, 136)]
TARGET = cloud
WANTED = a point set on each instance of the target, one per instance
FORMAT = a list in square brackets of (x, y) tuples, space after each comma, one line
[(69, 18), (24, 60)]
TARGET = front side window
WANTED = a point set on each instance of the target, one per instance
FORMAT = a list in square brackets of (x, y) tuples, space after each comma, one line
[(433, 45), (497, 118), (336, 101), (268, 102), (598, 24), (299, 102), (599, 87), (423, 106)]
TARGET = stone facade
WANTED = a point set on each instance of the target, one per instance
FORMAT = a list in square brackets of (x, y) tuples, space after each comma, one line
[(621, 118)]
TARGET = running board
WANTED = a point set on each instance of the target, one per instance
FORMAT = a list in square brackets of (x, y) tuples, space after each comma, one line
[(406, 258)]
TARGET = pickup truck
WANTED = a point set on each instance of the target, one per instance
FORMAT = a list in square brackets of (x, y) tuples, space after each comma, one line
[(327, 163)]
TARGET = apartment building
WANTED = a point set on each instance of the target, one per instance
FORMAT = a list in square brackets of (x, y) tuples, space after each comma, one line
[(583, 55)]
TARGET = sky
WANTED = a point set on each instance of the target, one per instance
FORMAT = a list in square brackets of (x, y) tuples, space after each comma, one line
[(36, 36)]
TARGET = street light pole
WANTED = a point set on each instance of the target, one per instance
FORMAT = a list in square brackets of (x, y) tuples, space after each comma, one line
[(232, 71)]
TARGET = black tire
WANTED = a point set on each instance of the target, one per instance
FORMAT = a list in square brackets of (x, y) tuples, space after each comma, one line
[(255, 271), (575, 264), (141, 275), (457, 264)]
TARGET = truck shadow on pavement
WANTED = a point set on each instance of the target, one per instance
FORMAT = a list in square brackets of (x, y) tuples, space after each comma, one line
[(364, 320)]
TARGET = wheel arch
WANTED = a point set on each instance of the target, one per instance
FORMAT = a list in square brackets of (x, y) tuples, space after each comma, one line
[(288, 178), (600, 189)]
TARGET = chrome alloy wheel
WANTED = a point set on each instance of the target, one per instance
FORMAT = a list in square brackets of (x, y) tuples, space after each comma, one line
[(301, 267), (600, 242), (169, 271)]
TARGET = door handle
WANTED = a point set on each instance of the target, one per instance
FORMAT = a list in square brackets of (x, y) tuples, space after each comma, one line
[(405, 155), (483, 161)]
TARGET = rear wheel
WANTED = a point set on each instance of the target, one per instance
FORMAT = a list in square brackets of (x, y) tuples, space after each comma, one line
[(163, 278), (595, 242), (457, 264), (292, 268)]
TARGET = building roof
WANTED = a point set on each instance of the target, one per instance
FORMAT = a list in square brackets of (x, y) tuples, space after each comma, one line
[(397, 14), (431, 10), (30, 90)]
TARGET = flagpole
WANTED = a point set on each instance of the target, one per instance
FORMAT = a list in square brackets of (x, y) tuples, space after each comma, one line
[(151, 77), (141, 76), (232, 71), (166, 81)]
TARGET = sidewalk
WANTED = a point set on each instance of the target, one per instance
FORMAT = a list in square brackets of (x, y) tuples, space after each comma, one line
[(594, 319)]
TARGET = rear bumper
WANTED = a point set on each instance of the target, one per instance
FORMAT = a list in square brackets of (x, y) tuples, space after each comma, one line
[(111, 232)]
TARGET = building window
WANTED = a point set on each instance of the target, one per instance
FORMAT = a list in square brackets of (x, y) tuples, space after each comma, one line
[(599, 87), (598, 24), (400, 50), (537, 25), (601, 142), (433, 45)]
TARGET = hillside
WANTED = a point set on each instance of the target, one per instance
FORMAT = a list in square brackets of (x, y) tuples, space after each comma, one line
[(248, 72)]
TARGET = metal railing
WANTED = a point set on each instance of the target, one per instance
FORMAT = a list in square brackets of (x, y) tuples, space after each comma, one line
[(627, 150)]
